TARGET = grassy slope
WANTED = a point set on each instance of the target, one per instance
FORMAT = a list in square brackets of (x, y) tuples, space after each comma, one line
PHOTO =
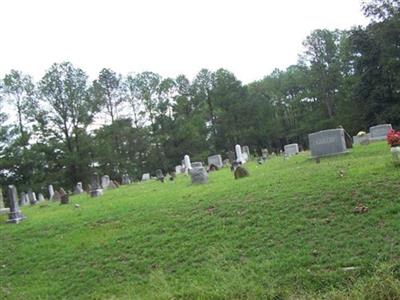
[(287, 230)]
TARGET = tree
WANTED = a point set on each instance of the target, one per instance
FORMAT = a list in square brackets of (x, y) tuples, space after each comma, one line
[(107, 91), (68, 112), (19, 90)]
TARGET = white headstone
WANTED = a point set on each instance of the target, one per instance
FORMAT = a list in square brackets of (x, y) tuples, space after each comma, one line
[(146, 176), (40, 197), (188, 165), (239, 157), (51, 192), (291, 149)]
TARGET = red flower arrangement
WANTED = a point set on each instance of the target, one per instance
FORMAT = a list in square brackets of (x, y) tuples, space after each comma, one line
[(393, 138)]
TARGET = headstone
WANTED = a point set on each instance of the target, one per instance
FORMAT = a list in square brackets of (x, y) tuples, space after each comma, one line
[(146, 176), (56, 196), (112, 185), (159, 175), (32, 197), (327, 142), (215, 160), (231, 156), (116, 183), (291, 149), (264, 153), (199, 175), (212, 168), (245, 156), (379, 132), (96, 190), (64, 197), (240, 172), (246, 149), (187, 163), (78, 188), (22, 199), (51, 192), (126, 179), (178, 169), (105, 181), (196, 164), (226, 162), (40, 197), (1, 199), (15, 215), (3, 210), (238, 151)]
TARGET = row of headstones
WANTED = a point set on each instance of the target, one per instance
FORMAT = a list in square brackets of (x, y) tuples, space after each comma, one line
[(199, 174), (333, 141), (14, 213)]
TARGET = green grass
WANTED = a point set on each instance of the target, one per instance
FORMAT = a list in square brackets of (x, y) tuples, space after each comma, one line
[(287, 231)]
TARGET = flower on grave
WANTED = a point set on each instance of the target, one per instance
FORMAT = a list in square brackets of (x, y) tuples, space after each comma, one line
[(393, 138)]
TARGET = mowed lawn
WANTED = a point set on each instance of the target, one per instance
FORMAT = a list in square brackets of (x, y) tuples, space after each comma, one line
[(287, 231)]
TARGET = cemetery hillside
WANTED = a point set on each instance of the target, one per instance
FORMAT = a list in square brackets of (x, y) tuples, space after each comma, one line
[(138, 186), (292, 229)]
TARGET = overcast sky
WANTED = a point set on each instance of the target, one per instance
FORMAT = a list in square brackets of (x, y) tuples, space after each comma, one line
[(170, 37)]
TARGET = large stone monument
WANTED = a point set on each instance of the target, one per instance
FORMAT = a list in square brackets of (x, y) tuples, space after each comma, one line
[(96, 190), (215, 160), (379, 132), (15, 215), (291, 149), (327, 142)]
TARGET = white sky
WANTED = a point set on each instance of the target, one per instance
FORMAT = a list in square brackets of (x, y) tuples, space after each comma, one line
[(170, 37)]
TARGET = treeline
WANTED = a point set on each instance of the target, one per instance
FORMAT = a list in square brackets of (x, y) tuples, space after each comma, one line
[(64, 127)]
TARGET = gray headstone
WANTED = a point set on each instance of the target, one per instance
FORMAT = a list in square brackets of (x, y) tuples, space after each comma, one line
[(15, 215), (178, 169), (64, 197), (327, 142), (159, 174), (264, 153), (96, 190), (1, 199), (78, 188), (40, 197), (56, 196), (126, 179), (105, 181), (215, 160), (145, 176), (187, 163), (291, 149), (379, 132), (32, 197), (199, 175), (197, 164)]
